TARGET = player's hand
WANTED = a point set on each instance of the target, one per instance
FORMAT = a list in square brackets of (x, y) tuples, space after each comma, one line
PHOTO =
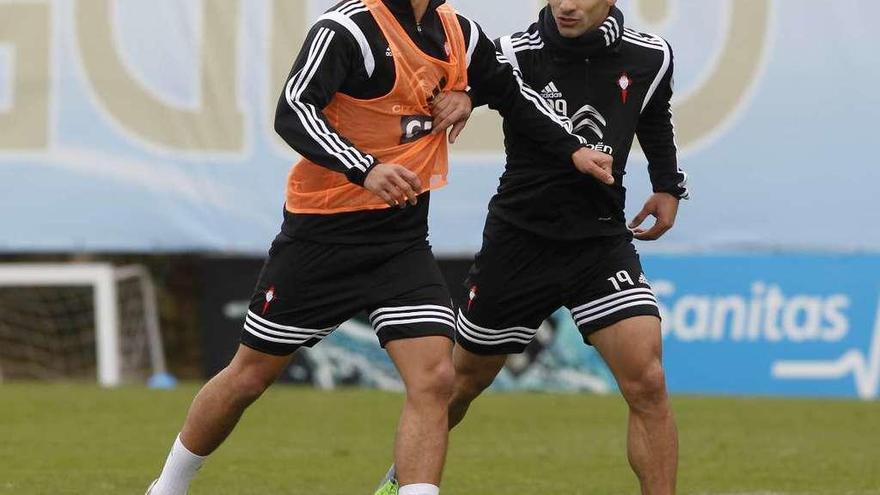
[(595, 163), (451, 109), (663, 207), (396, 185)]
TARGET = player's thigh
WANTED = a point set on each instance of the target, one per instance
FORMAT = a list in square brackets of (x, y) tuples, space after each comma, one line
[(304, 292), (258, 366), (512, 287), (632, 348)]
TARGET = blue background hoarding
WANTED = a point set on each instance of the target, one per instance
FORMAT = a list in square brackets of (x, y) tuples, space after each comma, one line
[(781, 325), (114, 139)]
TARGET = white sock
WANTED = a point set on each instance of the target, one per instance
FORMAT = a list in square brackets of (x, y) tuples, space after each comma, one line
[(419, 489), (180, 467)]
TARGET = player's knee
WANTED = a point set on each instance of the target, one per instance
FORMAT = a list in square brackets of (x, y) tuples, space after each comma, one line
[(435, 382), (249, 382), (443, 377), (646, 390)]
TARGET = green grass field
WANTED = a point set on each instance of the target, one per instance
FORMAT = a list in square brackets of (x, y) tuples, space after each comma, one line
[(76, 439)]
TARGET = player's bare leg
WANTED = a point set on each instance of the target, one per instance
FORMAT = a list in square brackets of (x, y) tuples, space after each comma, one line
[(221, 402), (473, 374), (215, 412), (425, 364), (632, 350)]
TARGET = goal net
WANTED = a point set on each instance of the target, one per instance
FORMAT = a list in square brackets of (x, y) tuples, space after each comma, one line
[(79, 322)]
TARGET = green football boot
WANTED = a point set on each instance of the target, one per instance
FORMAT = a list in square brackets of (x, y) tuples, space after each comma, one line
[(389, 485)]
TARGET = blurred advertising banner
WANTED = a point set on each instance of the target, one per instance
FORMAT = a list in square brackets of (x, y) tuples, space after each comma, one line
[(780, 325), (743, 325), (148, 126)]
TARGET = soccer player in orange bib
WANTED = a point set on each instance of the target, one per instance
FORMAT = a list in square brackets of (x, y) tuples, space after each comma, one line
[(358, 107)]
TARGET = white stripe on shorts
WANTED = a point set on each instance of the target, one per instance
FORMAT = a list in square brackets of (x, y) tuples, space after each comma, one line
[(282, 334), (604, 306), (614, 303), (258, 319), (487, 336), (423, 307), (615, 309), (616, 295), (410, 314), (281, 337)]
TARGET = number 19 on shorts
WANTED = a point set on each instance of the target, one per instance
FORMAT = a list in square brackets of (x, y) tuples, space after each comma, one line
[(620, 278)]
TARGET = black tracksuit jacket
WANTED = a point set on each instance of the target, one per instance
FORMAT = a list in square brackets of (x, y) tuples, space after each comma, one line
[(611, 92)]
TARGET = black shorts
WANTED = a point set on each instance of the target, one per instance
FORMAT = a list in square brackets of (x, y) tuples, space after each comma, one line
[(307, 289), (519, 279)]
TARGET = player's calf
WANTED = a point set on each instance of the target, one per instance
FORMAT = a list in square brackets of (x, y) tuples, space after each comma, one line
[(653, 440), (425, 365), (474, 373), (214, 413), (221, 402), (632, 350)]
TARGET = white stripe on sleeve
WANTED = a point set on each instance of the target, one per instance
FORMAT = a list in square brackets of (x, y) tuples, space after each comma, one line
[(509, 52), (664, 67), (472, 43), (355, 30), (316, 128)]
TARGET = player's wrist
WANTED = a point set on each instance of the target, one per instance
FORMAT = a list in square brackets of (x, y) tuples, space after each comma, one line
[(676, 193), (571, 150), (359, 177), (470, 92)]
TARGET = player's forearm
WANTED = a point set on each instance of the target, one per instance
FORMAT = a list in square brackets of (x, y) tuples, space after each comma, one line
[(656, 133), (496, 83), (306, 130), (670, 180), (551, 131), (657, 138), (525, 111), (663, 169), (320, 69)]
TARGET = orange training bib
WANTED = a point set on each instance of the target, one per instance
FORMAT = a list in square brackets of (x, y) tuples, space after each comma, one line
[(395, 128)]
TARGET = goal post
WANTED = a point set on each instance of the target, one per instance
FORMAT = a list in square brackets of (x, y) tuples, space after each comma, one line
[(104, 280)]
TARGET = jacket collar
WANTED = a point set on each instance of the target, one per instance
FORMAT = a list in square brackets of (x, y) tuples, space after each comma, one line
[(602, 40), (404, 7)]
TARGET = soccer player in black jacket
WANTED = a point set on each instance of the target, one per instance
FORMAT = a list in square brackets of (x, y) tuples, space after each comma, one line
[(556, 238)]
